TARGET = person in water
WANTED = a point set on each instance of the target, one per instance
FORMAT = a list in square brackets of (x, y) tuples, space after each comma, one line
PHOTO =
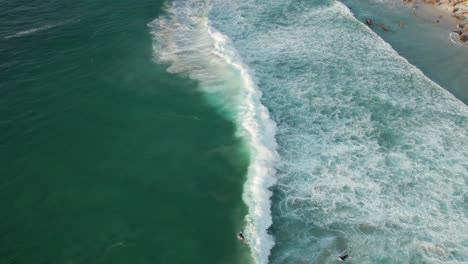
[(240, 236), (343, 257)]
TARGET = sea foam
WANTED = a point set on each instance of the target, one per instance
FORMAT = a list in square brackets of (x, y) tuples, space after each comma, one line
[(373, 153)]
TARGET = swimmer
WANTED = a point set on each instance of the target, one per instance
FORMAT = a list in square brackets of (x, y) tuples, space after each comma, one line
[(240, 236)]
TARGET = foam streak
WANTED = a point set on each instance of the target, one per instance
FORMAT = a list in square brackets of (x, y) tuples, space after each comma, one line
[(38, 29)]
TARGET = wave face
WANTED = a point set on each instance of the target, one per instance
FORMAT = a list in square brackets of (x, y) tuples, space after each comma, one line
[(373, 155), (185, 39)]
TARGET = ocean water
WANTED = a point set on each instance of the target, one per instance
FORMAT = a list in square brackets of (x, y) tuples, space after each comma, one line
[(104, 156), (360, 151), (152, 132)]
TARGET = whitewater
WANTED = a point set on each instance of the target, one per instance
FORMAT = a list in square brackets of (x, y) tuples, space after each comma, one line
[(362, 153)]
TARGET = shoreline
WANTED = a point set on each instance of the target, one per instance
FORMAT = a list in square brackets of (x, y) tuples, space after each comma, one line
[(416, 32), (451, 14)]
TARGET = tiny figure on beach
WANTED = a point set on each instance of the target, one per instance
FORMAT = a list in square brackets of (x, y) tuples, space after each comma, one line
[(241, 237), (414, 9), (343, 257), (369, 22)]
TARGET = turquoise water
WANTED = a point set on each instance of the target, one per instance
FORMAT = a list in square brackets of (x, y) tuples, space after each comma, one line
[(151, 132), (372, 153)]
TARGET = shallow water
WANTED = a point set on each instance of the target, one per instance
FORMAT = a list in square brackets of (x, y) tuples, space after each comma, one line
[(423, 41)]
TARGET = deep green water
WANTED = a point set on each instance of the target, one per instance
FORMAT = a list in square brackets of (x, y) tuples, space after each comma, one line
[(105, 157)]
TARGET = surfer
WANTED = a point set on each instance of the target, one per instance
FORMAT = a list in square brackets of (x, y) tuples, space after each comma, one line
[(343, 257), (240, 236)]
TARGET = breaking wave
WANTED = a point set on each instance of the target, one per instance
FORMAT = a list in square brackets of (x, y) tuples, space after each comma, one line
[(185, 39)]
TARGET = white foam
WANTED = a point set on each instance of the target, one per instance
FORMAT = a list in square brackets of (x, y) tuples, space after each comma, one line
[(184, 39), (455, 38)]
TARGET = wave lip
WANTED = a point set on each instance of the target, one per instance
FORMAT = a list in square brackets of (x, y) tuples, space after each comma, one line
[(184, 39)]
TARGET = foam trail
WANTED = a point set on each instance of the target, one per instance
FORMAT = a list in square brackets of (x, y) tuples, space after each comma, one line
[(38, 29), (185, 40)]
